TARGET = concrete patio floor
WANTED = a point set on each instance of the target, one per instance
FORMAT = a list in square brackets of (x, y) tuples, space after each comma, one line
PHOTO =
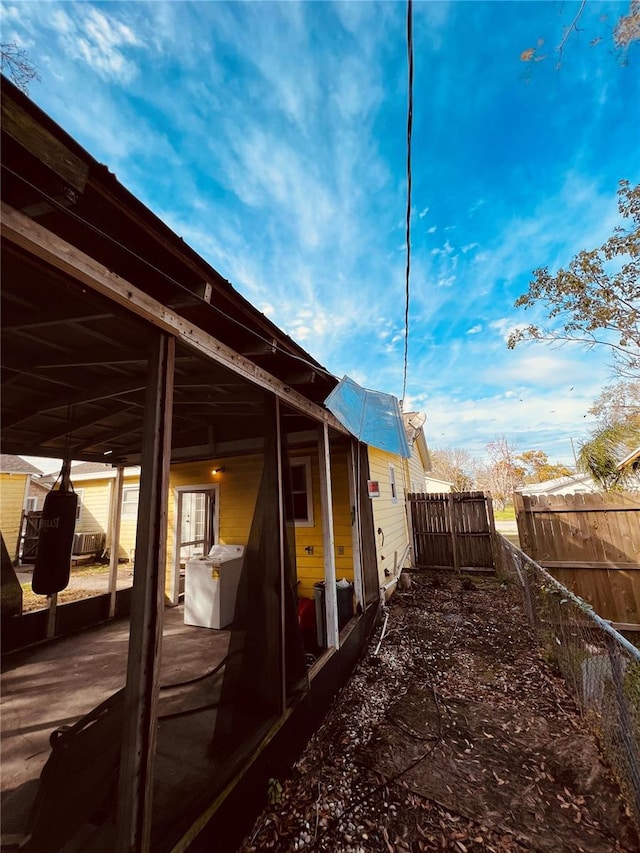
[(56, 683)]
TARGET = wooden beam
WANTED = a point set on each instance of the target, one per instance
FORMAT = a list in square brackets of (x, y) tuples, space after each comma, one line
[(60, 254), (116, 389), (115, 516), (259, 348), (30, 134), (354, 503), (282, 544), (68, 427), (135, 785), (626, 626), (55, 321), (328, 538)]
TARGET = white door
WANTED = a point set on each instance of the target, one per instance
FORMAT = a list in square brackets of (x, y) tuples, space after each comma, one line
[(196, 528)]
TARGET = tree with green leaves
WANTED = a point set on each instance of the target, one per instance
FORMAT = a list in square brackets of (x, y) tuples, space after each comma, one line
[(595, 301), (615, 436), (536, 468), (602, 454)]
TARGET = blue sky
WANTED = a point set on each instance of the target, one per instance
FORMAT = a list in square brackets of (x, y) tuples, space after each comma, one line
[(272, 138)]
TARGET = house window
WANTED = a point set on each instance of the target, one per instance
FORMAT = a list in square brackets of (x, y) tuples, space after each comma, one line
[(301, 497), (80, 494), (130, 496), (392, 483), (31, 504)]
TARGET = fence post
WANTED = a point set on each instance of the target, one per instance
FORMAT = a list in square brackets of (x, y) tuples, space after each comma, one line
[(524, 581), (522, 522), (496, 550), (626, 725), (452, 526)]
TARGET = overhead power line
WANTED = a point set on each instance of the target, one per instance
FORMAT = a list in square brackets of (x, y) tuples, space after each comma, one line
[(408, 229)]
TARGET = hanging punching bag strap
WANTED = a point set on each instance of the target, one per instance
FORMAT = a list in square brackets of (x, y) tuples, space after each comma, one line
[(55, 539)]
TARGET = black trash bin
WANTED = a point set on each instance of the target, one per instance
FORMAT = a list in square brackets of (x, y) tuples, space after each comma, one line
[(321, 627), (345, 603), (344, 595)]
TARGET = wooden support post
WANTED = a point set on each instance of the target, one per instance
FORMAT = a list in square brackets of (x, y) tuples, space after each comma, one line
[(135, 787), (282, 546), (326, 501), (452, 527), (354, 503), (114, 537), (51, 615)]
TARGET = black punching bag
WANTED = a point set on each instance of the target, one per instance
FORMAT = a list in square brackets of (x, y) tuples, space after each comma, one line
[(55, 539)]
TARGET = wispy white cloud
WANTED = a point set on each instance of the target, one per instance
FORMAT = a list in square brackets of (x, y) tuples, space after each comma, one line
[(101, 40)]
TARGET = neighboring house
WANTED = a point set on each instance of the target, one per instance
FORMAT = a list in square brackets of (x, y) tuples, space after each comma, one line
[(419, 463), (562, 486), (16, 476), (630, 461), (146, 357), (96, 486), (576, 484), (434, 485), (38, 490)]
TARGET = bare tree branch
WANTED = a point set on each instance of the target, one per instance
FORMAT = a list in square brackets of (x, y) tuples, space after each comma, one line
[(16, 65)]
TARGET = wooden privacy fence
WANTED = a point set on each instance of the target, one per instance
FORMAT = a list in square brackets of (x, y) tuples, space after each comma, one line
[(453, 530), (591, 544)]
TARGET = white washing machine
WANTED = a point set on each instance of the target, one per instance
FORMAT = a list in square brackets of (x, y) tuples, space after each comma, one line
[(211, 586)]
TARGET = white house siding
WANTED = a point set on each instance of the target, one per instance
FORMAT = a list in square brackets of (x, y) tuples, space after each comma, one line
[(416, 475), (388, 516), (435, 486)]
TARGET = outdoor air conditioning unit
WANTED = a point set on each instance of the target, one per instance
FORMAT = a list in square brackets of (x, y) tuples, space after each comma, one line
[(88, 543)]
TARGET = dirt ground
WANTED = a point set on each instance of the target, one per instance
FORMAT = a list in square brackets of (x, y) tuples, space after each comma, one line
[(455, 735)]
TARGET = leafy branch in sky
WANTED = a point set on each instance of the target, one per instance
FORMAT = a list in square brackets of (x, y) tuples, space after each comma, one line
[(596, 300), (617, 403), (16, 65), (602, 454), (615, 436), (625, 31)]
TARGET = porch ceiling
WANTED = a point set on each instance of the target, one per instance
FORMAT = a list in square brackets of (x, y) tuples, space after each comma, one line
[(73, 363), (74, 376)]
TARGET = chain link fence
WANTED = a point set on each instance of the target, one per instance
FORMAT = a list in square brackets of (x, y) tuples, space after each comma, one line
[(599, 665)]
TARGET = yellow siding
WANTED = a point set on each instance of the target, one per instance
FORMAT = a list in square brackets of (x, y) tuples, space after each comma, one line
[(238, 489), (128, 524), (96, 506), (12, 495), (311, 567), (94, 512), (390, 517), (237, 492)]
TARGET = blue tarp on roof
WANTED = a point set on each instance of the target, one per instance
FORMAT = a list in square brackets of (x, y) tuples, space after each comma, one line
[(371, 416)]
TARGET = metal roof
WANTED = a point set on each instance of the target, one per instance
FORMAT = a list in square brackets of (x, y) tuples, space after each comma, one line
[(371, 416)]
